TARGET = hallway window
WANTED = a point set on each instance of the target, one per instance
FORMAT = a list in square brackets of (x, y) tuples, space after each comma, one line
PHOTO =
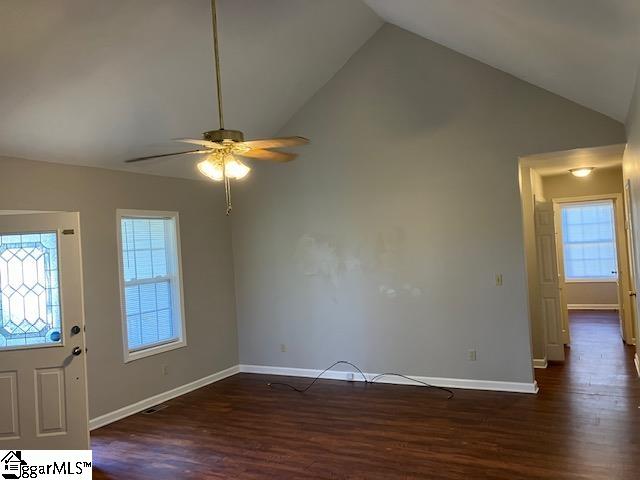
[(589, 242)]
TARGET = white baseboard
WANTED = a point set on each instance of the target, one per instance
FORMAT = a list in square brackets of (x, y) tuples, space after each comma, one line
[(123, 412), (540, 362), (636, 360), (435, 381), (592, 306)]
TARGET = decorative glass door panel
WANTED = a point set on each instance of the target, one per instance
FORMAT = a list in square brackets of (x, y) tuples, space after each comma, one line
[(29, 290)]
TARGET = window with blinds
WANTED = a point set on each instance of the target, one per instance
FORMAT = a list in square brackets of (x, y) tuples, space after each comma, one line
[(589, 241), (150, 282)]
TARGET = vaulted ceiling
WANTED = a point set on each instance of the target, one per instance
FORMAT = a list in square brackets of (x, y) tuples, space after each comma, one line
[(94, 82), (584, 50)]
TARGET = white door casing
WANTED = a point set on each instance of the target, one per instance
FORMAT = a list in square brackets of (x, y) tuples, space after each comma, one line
[(548, 281), (43, 385), (631, 257)]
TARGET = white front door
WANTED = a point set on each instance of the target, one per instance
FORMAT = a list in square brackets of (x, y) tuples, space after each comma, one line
[(43, 387)]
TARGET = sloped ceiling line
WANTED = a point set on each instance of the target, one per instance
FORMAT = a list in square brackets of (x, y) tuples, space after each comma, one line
[(583, 50)]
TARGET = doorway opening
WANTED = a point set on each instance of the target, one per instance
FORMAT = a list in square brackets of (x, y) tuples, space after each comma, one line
[(588, 263), (579, 260)]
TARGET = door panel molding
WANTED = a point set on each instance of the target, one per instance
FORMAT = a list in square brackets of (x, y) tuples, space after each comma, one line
[(9, 424), (51, 402)]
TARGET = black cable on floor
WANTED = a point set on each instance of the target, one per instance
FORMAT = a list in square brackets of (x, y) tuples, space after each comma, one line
[(366, 380), (272, 384), (450, 392)]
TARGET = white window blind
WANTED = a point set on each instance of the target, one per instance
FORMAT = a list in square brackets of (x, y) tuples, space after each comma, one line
[(589, 243), (151, 283)]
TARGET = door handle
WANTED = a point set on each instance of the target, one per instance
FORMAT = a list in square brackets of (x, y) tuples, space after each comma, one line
[(632, 294), (76, 351)]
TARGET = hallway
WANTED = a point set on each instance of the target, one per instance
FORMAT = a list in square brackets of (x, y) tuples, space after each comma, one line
[(597, 393), (597, 361)]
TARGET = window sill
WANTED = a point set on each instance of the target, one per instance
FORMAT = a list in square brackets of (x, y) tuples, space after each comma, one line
[(147, 352), (591, 280)]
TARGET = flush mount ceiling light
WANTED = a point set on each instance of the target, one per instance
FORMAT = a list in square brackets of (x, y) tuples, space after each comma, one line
[(222, 146), (581, 172)]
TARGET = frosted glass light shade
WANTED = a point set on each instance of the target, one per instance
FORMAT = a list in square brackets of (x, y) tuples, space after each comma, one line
[(211, 169), (235, 169), (215, 168)]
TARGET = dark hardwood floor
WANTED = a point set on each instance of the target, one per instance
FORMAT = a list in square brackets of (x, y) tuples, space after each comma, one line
[(584, 424)]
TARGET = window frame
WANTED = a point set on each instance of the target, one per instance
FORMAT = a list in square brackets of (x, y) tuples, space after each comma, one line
[(175, 279), (581, 202)]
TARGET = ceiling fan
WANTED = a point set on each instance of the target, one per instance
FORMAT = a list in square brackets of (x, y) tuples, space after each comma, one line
[(222, 146)]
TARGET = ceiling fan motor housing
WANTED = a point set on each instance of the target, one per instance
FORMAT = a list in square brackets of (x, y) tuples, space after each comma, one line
[(222, 135)]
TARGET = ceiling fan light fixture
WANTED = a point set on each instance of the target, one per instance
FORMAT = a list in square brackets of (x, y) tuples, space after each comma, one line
[(216, 168), (222, 145)]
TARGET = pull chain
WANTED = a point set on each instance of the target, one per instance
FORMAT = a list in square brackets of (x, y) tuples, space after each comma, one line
[(227, 187)]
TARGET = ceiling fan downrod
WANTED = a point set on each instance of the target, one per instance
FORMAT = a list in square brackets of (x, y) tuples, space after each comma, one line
[(216, 57)]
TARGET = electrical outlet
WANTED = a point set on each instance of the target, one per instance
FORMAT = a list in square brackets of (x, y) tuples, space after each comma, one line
[(498, 279), (283, 348), (471, 355), (165, 369)]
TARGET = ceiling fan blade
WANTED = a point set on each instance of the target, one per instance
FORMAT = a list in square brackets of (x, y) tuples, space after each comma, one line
[(204, 143), (271, 155), (150, 157), (276, 142)]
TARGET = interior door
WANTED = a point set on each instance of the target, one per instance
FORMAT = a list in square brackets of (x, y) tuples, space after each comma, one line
[(562, 283), (548, 280), (631, 257), (43, 387)]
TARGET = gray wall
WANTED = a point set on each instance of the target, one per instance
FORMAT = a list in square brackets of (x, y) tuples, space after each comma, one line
[(380, 244), (631, 168), (206, 262)]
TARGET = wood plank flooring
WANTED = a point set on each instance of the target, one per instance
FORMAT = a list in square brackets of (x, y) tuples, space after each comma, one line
[(584, 424)]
